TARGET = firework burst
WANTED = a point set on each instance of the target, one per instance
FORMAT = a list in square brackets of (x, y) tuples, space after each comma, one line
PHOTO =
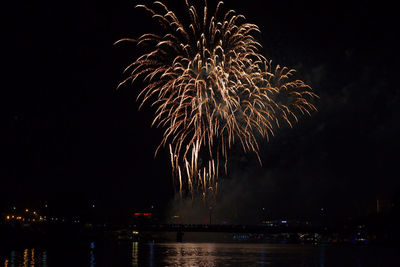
[(211, 88)]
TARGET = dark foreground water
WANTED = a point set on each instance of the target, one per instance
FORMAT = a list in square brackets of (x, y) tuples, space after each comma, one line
[(115, 253)]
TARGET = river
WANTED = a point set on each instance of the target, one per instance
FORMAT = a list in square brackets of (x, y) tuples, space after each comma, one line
[(134, 254)]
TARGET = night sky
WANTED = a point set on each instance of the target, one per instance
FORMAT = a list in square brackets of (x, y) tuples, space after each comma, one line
[(72, 139)]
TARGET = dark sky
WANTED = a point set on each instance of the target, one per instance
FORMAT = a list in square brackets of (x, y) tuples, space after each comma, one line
[(72, 138)]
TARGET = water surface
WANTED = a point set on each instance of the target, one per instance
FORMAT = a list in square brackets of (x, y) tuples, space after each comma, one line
[(113, 253)]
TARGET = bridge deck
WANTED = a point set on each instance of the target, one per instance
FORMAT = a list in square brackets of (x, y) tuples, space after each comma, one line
[(226, 228)]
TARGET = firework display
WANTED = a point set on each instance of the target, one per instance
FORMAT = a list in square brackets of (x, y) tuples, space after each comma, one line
[(211, 88)]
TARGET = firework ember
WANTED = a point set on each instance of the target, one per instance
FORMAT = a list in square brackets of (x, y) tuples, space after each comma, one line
[(212, 88)]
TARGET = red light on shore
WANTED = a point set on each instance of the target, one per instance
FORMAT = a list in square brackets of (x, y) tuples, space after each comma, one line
[(142, 213)]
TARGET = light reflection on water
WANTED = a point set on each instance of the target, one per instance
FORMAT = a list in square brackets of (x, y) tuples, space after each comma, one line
[(222, 254), (114, 254), (135, 254), (26, 258), (190, 254), (242, 254), (92, 257)]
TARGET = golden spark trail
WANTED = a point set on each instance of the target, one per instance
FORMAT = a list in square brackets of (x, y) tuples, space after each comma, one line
[(212, 88)]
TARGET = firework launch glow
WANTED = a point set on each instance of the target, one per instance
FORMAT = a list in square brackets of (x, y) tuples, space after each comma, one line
[(212, 88)]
